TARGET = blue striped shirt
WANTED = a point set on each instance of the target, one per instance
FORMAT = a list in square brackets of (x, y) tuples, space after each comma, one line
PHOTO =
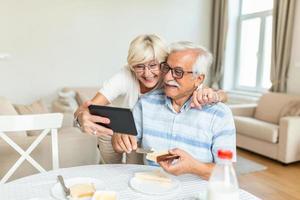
[(200, 132)]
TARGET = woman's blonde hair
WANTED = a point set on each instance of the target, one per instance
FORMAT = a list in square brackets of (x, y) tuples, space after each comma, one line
[(145, 48)]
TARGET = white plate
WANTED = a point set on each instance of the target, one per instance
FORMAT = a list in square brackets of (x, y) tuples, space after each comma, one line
[(150, 187), (58, 193)]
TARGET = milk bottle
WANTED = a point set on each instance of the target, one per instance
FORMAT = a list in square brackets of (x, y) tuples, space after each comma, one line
[(223, 183)]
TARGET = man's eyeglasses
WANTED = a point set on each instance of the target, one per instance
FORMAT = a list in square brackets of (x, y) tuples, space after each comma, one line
[(177, 72), (153, 66)]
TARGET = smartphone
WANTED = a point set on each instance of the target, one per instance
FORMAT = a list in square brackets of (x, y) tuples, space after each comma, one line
[(121, 119)]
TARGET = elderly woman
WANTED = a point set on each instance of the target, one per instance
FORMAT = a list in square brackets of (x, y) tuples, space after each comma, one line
[(141, 75)]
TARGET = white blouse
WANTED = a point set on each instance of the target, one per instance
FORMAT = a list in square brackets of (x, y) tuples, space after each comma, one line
[(122, 89)]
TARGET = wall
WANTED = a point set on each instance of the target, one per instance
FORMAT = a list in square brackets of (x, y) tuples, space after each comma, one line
[(53, 43), (294, 72)]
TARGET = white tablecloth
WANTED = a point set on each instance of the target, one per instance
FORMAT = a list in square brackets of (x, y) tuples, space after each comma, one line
[(115, 177)]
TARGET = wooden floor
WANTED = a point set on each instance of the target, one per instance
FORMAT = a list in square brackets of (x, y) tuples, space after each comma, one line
[(278, 182)]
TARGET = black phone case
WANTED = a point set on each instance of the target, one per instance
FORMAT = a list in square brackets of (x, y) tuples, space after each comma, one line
[(121, 119)]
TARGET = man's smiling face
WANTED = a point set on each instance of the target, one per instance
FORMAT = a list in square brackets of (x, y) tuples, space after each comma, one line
[(177, 88)]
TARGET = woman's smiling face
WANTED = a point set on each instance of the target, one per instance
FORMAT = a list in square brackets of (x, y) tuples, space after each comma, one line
[(145, 54), (148, 73)]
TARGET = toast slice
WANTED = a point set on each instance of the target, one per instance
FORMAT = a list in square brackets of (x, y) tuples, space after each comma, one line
[(82, 190), (159, 156), (156, 175)]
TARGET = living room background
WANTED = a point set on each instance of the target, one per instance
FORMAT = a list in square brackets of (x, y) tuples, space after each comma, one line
[(53, 44), (47, 45)]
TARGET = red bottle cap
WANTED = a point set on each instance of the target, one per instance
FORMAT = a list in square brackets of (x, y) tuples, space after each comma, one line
[(225, 154)]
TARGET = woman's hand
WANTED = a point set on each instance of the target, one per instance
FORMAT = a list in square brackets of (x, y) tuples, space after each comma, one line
[(88, 122), (204, 96)]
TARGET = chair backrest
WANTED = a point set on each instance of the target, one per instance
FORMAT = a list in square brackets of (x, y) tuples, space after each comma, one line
[(46, 122), (271, 104)]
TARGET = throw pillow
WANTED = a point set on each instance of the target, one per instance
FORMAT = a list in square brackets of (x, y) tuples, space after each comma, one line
[(37, 107), (6, 108)]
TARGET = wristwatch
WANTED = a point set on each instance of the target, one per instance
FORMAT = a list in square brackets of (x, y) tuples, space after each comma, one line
[(216, 97), (76, 122)]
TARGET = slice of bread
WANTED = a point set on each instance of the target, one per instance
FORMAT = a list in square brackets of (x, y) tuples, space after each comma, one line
[(159, 156), (156, 175), (82, 190), (105, 195), (153, 156), (166, 157)]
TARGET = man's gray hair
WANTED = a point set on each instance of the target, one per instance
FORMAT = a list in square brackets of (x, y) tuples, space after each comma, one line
[(203, 61)]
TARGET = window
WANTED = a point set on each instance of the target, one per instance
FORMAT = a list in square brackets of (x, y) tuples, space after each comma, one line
[(253, 52)]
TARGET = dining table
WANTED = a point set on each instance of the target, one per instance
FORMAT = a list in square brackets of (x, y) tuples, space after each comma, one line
[(115, 177)]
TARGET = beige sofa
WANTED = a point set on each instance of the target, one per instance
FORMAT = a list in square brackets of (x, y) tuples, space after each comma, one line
[(270, 128), (75, 148)]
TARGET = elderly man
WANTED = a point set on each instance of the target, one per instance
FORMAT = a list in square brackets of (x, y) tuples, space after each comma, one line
[(165, 119)]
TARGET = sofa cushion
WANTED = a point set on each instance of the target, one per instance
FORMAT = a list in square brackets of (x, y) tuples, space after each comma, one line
[(37, 107), (65, 102), (85, 93), (6, 108), (256, 129), (291, 110), (270, 106)]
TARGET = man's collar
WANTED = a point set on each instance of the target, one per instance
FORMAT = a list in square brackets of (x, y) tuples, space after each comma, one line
[(185, 107)]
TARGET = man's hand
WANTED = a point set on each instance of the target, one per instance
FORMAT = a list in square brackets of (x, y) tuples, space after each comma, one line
[(124, 143), (88, 121), (184, 164), (187, 164)]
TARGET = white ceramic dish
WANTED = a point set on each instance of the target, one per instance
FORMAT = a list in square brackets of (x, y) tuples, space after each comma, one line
[(58, 193)]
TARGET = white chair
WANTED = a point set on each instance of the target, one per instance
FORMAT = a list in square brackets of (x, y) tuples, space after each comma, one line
[(46, 122)]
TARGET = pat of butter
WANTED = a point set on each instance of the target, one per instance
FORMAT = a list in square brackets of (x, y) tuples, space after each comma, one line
[(105, 195), (156, 175), (82, 190), (155, 154)]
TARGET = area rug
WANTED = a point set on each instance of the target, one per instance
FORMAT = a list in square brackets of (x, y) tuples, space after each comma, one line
[(245, 166)]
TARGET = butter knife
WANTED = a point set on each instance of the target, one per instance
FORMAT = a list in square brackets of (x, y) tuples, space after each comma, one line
[(143, 151), (62, 182)]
